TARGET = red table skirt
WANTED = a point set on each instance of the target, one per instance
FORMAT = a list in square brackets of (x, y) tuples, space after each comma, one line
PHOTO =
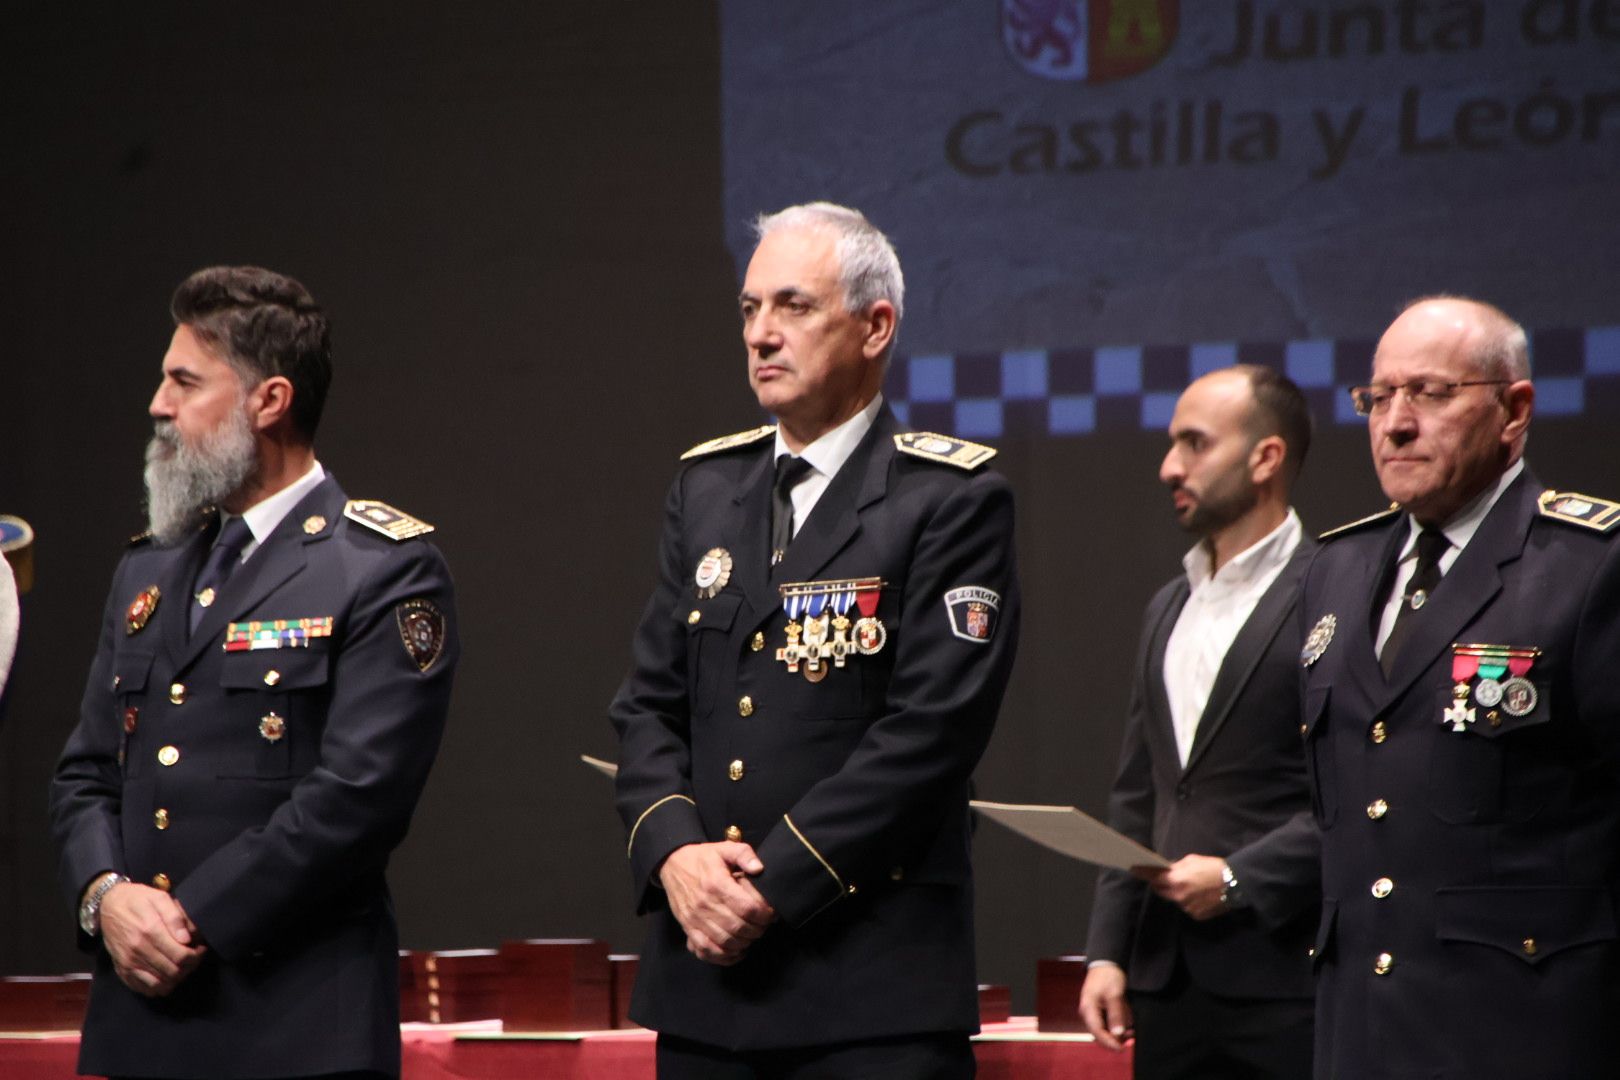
[(465, 1052)]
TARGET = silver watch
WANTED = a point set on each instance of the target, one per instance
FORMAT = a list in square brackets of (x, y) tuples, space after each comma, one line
[(1231, 892), (90, 907)]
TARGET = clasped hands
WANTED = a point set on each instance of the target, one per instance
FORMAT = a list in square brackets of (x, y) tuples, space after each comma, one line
[(1192, 883), (715, 902), (154, 945)]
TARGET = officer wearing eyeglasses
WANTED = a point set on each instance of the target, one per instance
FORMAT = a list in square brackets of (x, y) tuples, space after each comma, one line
[(1462, 728)]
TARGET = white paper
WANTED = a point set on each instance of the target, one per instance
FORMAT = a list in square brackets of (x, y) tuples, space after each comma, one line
[(1069, 831), (606, 768)]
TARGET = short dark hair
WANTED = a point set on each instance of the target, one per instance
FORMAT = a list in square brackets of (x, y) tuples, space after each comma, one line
[(263, 324), (1279, 409)]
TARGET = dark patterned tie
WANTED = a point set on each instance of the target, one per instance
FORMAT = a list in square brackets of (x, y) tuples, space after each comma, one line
[(225, 557), (789, 471), (1431, 545)]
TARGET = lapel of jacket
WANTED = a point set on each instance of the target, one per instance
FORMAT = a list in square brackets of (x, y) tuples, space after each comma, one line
[(273, 562), (751, 525), (1158, 695), (835, 520), (176, 585), (1273, 608), (1472, 582)]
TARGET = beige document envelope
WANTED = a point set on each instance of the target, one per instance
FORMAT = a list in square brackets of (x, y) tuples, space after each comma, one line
[(606, 768), (1071, 832)]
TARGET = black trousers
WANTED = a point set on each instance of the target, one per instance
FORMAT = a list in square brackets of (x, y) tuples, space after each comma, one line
[(1183, 1032), (938, 1056)]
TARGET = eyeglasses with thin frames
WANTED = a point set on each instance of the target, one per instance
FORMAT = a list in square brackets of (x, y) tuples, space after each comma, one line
[(1425, 395)]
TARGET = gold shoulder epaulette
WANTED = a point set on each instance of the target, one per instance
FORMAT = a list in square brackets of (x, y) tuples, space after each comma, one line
[(944, 449), (731, 442), (140, 538), (1577, 509), (1370, 519), (380, 517)]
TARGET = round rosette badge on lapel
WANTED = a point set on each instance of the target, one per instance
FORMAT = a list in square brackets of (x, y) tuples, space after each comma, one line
[(713, 571)]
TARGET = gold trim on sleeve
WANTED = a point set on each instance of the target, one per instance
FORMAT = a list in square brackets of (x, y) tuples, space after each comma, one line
[(631, 846), (842, 888)]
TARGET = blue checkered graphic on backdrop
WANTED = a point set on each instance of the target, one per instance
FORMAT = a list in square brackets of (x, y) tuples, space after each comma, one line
[(1069, 392)]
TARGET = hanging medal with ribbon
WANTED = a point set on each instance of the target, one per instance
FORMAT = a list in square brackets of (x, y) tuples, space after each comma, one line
[(820, 633), (1519, 693), (1463, 667), (1477, 670)]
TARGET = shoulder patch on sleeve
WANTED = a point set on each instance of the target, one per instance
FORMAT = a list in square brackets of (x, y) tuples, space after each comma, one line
[(944, 449), (730, 442), (1574, 508), (380, 517), (1370, 519)]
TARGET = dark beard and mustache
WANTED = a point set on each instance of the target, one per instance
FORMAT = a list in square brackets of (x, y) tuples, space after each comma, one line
[(183, 480)]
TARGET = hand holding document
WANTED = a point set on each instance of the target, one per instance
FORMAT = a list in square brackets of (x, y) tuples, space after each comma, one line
[(1069, 831), (606, 768)]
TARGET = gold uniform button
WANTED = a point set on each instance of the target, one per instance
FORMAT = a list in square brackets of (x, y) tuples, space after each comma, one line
[(168, 755), (852, 890), (745, 706), (1377, 809), (1529, 946), (692, 619), (1382, 888), (160, 881), (272, 677), (177, 693), (1304, 729), (733, 834), (735, 771), (1383, 964), (1379, 731), (897, 874), (757, 642), (161, 818), (1311, 952)]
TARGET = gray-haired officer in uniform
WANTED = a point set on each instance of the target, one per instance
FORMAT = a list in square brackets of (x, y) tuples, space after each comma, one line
[(1462, 728), (266, 699), (813, 681)]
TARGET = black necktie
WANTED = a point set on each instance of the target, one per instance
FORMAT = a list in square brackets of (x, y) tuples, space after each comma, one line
[(225, 557), (789, 471), (1431, 545)]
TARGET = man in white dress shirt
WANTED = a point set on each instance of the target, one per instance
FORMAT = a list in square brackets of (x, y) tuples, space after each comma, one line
[(1206, 960)]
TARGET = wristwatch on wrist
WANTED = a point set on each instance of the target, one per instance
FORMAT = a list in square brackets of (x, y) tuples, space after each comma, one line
[(90, 906), (1231, 892)]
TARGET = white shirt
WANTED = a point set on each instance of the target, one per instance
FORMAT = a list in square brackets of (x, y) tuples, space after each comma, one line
[(1216, 610), (263, 516), (1459, 530), (826, 456)]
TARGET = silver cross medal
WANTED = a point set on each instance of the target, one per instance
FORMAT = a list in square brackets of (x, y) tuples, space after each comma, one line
[(1459, 716)]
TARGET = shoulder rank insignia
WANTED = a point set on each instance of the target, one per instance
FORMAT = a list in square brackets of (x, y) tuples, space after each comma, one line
[(380, 517), (1576, 509), (730, 442), (1370, 519), (140, 538), (944, 449)]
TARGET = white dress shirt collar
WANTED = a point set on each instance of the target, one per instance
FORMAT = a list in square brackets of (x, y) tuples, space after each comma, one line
[(826, 456), (263, 516)]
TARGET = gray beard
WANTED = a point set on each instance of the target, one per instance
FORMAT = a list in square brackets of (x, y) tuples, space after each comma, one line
[(183, 480)]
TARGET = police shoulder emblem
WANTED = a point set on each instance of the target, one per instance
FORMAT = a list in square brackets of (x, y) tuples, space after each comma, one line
[(730, 442), (944, 449), (1361, 523), (972, 610), (141, 609), (380, 517), (1317, 641), (1577, 509), (422, 629)]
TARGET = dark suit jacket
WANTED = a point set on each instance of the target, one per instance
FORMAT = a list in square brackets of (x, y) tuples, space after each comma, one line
[(853, 790), (1500, 844), (276, 849), (1243, 795)]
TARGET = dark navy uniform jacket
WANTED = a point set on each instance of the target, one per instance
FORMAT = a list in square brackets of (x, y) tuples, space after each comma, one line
[(274, 846), (853, 790), (1470, 877), (1243, 794)]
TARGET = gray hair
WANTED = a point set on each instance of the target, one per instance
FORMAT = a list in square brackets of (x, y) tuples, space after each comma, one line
[(868, 268)]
